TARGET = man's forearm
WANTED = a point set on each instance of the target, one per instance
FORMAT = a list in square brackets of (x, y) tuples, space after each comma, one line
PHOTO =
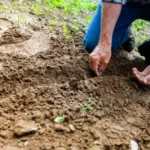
[(109, 17)]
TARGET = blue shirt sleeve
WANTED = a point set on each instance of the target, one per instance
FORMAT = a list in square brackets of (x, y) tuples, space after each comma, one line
[(116, 1)]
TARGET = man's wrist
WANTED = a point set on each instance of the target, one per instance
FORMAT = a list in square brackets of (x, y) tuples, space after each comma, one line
[(104, 45), (106, 38)]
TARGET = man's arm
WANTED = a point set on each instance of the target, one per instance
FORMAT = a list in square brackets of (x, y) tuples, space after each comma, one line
[(110, 16), (100, 57)]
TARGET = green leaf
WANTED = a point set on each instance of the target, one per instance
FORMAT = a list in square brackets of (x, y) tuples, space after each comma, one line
[(59, 119)]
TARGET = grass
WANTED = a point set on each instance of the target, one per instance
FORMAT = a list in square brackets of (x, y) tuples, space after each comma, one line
[(78, 11), (139, 27), (88, 107), (72, 9)]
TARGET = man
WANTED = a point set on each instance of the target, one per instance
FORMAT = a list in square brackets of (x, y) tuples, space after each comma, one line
[(110, 28)]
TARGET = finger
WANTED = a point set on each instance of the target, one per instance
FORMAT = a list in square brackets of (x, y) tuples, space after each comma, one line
[(94, 65), (98, 69), (90, 63), (140, 79), (102, 67), (147, 70), (136, 72), (147, 80)]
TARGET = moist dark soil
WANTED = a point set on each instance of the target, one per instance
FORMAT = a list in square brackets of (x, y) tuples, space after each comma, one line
[(43, 76)]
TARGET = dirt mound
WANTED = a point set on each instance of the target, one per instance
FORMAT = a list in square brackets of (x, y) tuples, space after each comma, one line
[(58, 82), (14, 35), (43, 76)]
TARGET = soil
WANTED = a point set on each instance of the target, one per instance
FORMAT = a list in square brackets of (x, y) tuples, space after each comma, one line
[(43, 76)]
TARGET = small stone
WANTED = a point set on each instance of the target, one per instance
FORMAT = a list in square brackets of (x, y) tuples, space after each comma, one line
[(67, 129), (59, 127), (111, 92), (96, 142), (65, 86), (69, 142), (24, 127), (72, 127), (34, 26), (97, 147), (47, 146), (9, 147), (95, 133), (6, 134), (74, 148), (41, 131), (107, 90), (26, 143), (85, 128), (37, 116), (60, 148), (56, 144)]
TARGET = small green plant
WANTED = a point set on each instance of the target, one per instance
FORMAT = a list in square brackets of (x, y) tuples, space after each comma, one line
[(138, 27), (18, 6), (67, 37), (65, 29), (55, 21), (88, 107), (69, 9), (19, 19), (3, 8), (37, 9), (66, 32), (59, 119)]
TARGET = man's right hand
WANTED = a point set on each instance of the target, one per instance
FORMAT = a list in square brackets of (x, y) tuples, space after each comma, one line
[(99, 58)]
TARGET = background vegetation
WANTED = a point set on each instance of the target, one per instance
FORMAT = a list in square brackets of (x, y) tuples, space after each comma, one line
[(78, 12)]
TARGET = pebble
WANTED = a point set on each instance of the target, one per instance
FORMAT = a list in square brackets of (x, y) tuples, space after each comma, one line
[(26, 143), (9, 147), (60, 148), (48, 146), (74, 148), (37, 116), (97, 147), (95, 133), (56, 144), (6, 134), (24, 127), (34, 26), (72, 127), (41, 131), (59, 127)]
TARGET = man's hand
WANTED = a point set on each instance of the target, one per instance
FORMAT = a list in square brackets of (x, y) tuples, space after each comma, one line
[(99, 59)]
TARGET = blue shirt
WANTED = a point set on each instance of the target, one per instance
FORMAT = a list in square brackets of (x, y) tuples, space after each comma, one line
[(141, 2)]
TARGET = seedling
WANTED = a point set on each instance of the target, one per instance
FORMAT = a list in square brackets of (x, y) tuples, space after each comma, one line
[(67, 37), (69, 8), (59, 119), (65, 29), (88, 107), (37, 10), (19, 19), (55, 21), (140, 26)]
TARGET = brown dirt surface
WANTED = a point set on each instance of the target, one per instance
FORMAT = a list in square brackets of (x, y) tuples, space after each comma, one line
[(43, 76)]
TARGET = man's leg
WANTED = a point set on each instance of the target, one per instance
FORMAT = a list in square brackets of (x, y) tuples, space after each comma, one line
[(121, 31), (144, 49)]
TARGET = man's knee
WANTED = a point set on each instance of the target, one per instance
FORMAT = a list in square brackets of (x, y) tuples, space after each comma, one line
[(89, 44)]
